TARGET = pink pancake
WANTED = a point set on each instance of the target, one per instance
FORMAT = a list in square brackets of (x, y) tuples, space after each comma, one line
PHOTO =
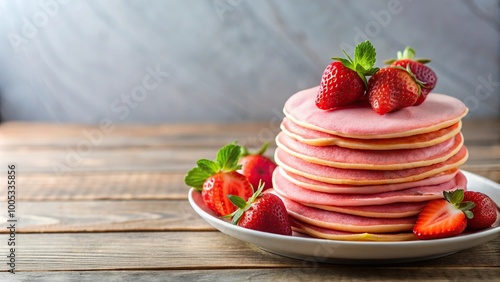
[(417, 194), (339, 157), (364, 177), (394, 210), (346, 222), (318, 138), (319, 186), (330, 234), (438, 111)]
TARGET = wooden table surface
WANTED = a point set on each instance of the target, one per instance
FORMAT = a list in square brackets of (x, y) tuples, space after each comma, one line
[(109, 204)]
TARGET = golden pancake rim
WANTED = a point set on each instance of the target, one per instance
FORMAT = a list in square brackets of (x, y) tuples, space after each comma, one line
[(325, 189), (374, 182), (406, 165), (379, 237), (364, 144), (405, 133)]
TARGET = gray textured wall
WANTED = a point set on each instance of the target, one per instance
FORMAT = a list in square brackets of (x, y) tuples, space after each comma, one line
[(223, 60)]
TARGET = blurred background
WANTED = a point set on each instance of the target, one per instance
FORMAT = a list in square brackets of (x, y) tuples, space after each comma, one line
[(134, 61)]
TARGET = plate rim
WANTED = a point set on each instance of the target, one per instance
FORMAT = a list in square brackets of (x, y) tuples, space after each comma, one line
[(340, 243)]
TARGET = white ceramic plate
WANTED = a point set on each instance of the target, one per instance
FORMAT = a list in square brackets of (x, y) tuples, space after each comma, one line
[(320, 250)]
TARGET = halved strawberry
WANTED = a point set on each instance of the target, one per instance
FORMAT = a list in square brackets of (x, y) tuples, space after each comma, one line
[(419, 69), (263, 212), (218, 179), (485, 211), (443, 217), (344, 82), (257, 167)]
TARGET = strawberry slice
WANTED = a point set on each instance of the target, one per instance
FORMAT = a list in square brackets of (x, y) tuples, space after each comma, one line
[(218, 179), (443, 217), (263, 212)]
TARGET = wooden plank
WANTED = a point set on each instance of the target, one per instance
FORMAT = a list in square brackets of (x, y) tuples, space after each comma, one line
[(183, 250), (23, 134), (61, 161), (76, 186), (107, 216), (481, 132), (138, 250), (305, 273)]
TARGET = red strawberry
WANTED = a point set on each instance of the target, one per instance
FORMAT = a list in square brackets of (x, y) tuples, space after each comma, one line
[(263, 212), (344, 82), (257, 167), (218, 179), (392, 88), (443, 217), (485, 211), (417, 66)]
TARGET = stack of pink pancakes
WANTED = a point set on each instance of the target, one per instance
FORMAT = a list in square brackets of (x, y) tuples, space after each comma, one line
[(350, 174)]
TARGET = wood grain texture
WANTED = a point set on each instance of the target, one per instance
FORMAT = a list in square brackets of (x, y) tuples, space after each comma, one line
[(305, 273), (187, 250), (107, 216)]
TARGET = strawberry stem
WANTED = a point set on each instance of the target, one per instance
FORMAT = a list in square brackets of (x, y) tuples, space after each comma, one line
[(245, 152), (242, 205), (407, 54), (456, 198), (226, 161), (362, 62)]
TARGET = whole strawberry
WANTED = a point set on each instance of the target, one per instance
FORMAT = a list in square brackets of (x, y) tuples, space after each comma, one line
[(417, 66), (485, 211), (343, 82), (257, 167), (263, 212), (218, 179), (392, 88), (443, 217)]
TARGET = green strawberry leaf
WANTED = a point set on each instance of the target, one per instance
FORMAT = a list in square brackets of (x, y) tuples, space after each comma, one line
[(228, 157), (363, 62), (345, 62), (372, 71), (469, 214), (456, 198), (262, 149), (242, 205), (196, 177), (208, 166), (245, 152), (236, 216), (408, 53), (365, 55), (227, 160), (237, 201)]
